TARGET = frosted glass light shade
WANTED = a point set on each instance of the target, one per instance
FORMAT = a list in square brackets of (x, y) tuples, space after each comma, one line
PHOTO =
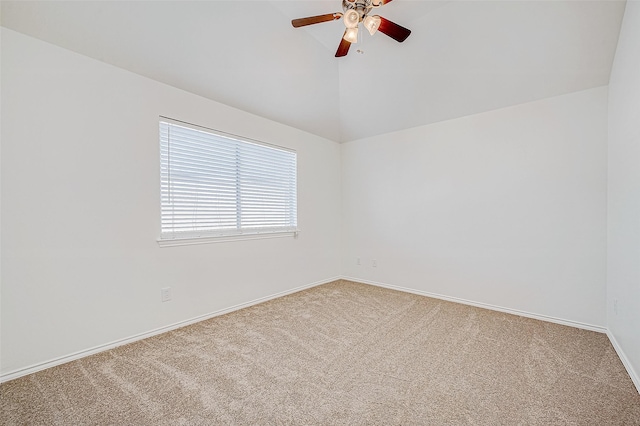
[(351, 18), (351, 35), (371, 23)]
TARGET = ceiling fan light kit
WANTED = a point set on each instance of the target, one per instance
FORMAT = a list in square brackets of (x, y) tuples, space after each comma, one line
[(372, 23), (355, 12), (351, 35), (351, 18)]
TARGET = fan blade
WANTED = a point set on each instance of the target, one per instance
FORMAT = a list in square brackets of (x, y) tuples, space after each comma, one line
[(343, 49), (315, 19), (393, 30)]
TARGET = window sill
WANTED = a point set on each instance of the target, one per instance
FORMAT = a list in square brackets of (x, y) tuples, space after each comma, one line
[(188, 241)]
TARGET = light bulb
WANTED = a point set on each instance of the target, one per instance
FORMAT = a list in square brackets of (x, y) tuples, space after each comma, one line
[(351, 35), (351, 18), (371, 23)]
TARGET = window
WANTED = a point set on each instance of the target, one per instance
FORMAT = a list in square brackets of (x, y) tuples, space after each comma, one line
[(218, 186)]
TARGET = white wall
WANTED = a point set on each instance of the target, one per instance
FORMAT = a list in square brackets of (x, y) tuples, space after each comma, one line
[(623, 272), (80, 208), (506, 208)]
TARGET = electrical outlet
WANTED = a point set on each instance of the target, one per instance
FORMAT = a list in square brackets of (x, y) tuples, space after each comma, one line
[(165, 294), (374, 263), (358, 261), (615, 306)]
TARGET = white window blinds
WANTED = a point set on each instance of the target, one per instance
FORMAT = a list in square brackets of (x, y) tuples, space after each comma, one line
[(214, 184)]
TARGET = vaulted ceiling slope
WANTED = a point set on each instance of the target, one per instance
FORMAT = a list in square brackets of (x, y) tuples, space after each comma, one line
[(462, 58)]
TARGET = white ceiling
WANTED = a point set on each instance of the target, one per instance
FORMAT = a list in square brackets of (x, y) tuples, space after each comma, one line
[(463, 57)]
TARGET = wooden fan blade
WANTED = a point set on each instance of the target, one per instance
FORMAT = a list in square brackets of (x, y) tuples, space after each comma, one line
[(315, 19), (393, 30), (343, 49)]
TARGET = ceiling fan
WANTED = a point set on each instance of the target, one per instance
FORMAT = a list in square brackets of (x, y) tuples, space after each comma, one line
[(356, 11)]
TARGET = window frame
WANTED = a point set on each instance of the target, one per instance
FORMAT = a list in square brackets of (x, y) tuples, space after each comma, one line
[(168, 239)]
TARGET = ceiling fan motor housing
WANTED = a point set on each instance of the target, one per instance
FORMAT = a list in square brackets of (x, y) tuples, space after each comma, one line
[(363, 7)]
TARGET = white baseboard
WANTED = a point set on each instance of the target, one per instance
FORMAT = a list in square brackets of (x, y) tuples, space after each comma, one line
[(101, 348), (635, 378), (547, 318), (91, 351)]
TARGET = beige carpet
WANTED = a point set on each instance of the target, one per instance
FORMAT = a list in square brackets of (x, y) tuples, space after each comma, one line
[(341, 353)]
